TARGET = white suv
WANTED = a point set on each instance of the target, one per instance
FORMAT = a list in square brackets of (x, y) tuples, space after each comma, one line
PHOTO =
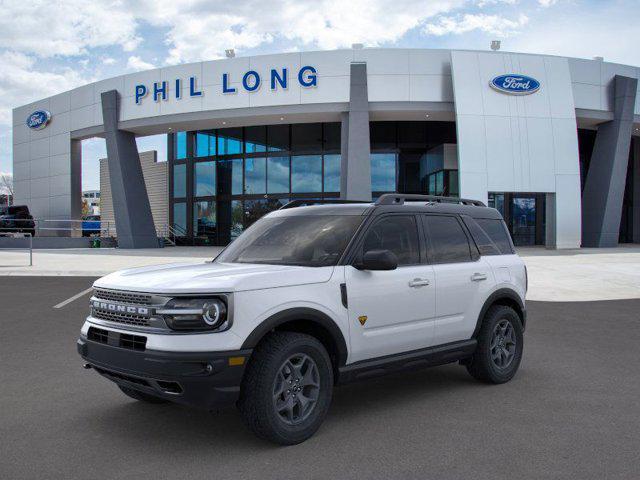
[(312, 296)]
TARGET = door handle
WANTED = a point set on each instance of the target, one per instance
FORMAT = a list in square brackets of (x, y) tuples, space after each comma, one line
[(419, 282), (477, 277)]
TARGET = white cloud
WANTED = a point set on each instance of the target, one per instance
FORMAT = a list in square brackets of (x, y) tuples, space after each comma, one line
[(17, 85), (109, 60), (136, 63), (323, 24), (491, 24), (46, 29), (547, 3)]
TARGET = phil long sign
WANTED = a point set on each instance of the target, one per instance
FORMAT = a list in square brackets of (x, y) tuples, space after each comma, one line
[(515, 84)]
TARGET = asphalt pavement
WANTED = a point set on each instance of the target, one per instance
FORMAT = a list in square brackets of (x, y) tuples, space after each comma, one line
[(572, 411)]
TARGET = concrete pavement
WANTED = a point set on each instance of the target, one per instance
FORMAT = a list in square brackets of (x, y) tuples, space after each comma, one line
[(571, 412), (554, 275)]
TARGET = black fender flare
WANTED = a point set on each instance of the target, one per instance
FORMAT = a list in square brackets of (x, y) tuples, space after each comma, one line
[(297, 314), (501, 294)]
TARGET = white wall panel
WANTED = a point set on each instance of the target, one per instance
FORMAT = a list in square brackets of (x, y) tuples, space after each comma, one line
[(513, 136), (430, 88), (388, 88), (429, 62), (381, 61)]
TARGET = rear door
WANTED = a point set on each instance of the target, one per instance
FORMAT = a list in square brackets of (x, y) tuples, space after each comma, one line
[(463, 278), (391, 311)]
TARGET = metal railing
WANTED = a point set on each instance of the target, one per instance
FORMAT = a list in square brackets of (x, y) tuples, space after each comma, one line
[(45, 227), (19, 235)]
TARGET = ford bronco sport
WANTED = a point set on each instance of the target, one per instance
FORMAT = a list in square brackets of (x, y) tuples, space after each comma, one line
[(312, 296)]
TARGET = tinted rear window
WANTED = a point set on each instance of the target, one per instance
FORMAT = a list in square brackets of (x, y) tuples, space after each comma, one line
[(497, 232), (447, 241)]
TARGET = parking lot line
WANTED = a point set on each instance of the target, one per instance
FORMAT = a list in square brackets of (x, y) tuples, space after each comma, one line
[(75, 297)]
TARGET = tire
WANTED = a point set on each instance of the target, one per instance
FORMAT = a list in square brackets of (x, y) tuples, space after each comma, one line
[(141, 396), (270, 399), (498, 363)]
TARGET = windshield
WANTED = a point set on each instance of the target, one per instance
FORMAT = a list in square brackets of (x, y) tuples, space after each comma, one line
[(310, 241)]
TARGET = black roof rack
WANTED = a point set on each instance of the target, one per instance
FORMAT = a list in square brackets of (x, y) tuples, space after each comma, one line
[(400, 198), (301, 202)]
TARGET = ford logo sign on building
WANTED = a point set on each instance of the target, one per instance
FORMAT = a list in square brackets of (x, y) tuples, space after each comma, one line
[(38, 119), (514, 84)]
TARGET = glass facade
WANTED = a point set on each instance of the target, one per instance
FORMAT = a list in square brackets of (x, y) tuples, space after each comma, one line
[(224, 180), (400, 158)]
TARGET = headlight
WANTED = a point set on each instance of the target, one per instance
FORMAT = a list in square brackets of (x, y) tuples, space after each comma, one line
[(196, 314)]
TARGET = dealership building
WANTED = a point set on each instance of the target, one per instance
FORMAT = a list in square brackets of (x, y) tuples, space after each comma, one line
[(552, 142)]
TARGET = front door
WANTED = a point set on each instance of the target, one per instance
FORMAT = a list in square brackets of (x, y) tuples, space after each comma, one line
[(391, 311)]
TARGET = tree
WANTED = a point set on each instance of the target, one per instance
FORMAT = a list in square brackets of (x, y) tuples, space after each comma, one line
[(86, 209), (6, 189)]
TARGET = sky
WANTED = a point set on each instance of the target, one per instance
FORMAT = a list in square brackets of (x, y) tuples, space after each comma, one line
[(50, 47)]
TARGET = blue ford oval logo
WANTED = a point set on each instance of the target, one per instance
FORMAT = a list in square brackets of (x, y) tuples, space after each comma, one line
[(515, 84), (38, 119)]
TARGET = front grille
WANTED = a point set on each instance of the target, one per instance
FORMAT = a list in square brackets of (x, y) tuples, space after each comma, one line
[(123, 297), (122, 340), (126, 318)]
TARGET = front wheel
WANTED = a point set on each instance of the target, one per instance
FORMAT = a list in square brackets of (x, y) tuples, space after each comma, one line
[(500, 346), (287, 388)]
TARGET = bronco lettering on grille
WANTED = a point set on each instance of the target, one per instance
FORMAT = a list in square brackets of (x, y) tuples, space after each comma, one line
[(117, 308)]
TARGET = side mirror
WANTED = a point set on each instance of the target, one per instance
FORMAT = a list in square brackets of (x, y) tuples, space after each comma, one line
[(378, 260)]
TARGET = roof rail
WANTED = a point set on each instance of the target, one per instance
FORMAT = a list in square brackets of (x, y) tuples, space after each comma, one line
[(302, 202), (400, 198)]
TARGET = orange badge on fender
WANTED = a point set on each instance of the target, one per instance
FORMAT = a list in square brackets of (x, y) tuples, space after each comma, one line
[(362, 319)]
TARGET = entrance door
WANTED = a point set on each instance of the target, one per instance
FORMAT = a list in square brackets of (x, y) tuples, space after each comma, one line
[(523, 219), (524, 214)]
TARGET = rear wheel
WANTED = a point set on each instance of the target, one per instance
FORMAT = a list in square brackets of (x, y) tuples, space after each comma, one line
[(287, 388), (500, 346), (141, 396)]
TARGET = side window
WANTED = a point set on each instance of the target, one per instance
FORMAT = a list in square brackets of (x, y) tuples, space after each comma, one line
[(397, 233), (448, 242), (484, 243), (498, 233)]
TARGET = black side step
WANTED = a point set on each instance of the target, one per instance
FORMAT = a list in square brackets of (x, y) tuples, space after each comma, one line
[(426, 357)]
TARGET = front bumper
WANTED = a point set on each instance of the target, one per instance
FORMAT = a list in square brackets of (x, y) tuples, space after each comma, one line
[(199, 379)]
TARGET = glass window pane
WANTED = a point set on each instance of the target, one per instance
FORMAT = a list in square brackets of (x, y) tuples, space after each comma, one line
[(181, 145), (497, 232), (332, 173), (309, 240), (230, 177), (255, 139), (255, 175), (306, 173), (306, 137), (204, 219), (278, 175), (449, 243), (229, 141), (180, 180), (205, 144), (204, 179), (180, 218), (332, 136), (397, 234), (278, 137), (383, 172), (452, 187), (237, 215)]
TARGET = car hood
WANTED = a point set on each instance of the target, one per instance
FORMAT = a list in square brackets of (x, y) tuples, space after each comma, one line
[(180, 278)]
